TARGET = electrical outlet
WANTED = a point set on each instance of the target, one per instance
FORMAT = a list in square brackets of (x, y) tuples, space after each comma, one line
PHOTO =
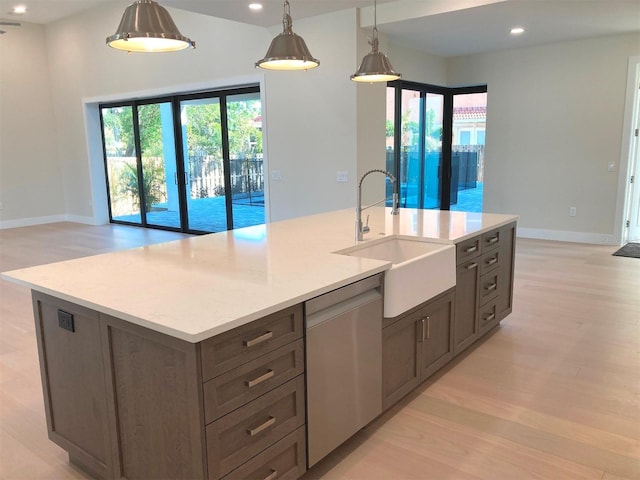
[(611, 167), (572, 211), (342, 176), (276, 175)]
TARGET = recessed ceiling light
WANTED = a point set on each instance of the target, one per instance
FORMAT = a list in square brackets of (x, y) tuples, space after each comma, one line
[(255, 6), (19, 10), (517, 31)]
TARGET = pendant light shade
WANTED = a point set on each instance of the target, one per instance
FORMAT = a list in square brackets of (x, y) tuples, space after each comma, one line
[(375, 66), (148, 27), (288, 51)]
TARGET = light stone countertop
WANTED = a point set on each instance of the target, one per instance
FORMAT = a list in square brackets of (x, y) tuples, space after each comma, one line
[(201, 286)]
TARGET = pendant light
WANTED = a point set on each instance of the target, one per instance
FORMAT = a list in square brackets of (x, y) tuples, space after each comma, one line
[(148, 27), (288, 51), (375, 66)]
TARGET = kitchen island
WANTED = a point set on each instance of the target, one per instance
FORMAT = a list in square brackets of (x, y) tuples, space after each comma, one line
[(137, 347)]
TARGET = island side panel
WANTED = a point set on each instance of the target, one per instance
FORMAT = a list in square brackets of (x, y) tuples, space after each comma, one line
[(157, 419), (69, 348)]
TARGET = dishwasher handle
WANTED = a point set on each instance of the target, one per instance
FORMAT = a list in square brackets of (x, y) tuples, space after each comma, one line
[(343, 307)]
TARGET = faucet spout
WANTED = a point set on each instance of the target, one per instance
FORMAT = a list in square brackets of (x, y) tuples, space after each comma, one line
[(360, 229)]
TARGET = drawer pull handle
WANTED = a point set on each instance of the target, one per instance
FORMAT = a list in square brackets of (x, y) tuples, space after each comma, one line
[(492, 261), (262, 378), (491, 287), (493, 239), (471, 266), (489, 317), (470, 249), (255, 341), (254, 431), (272, 475)]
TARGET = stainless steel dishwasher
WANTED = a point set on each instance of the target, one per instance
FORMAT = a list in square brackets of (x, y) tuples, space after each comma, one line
[(344, 364)]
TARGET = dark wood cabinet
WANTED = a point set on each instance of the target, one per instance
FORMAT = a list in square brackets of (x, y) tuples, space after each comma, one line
[(436, 334), (400, 358), (73, 382), (128, 402), (484, 284), (416, 345)]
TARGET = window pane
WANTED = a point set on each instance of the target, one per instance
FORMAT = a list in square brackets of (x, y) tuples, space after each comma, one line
[(244, 121), (202, 149), (159, 164), (390, 141), (467, 156), (432, 150), (410, 169), (122, 172)]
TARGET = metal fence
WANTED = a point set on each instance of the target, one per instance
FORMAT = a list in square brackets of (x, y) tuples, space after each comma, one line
[(206, 178)]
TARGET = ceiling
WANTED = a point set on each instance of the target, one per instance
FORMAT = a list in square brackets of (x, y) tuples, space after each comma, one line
[(440, 27)]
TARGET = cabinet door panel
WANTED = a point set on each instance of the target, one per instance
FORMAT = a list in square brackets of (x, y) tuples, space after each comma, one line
[(467, 302), (247, 431), (156, 396), (400, 359), (240, 345), (69, 347), (285, 460), (489, 283), (437, 347), (488, 317), (505, 272), (251, 380)]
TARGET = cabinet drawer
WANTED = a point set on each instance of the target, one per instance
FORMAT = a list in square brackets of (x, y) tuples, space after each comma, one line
[(247, 431), (236, 387), (488, 287), (489, 261), (286, 460), (468, 249), (490, 240), (248, 342), (488, 317)]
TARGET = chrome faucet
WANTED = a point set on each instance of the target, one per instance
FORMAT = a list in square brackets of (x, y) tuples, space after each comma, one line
[(361, 229)]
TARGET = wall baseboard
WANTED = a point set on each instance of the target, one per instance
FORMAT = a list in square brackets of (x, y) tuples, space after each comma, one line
[(31, 221), (565, 236)]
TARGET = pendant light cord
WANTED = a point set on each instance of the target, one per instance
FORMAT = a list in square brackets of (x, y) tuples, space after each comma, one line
[(287, 23), (374, 40)]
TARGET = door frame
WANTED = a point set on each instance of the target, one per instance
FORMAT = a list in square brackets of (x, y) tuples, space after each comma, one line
[(175, 100), (628, 166)]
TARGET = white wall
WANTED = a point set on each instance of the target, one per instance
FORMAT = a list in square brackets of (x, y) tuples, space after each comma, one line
[(30, 179), (554, 122), (82, 67), (417, 66), (310, 117), (311, 130)]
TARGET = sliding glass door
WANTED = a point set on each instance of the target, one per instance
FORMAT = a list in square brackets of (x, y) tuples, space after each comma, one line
[(421, 149), (158, 158), (244, 124), (203, 164), (191, 163), (467, 151)]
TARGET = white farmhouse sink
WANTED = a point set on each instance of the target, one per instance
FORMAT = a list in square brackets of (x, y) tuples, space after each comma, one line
[(420, 270)]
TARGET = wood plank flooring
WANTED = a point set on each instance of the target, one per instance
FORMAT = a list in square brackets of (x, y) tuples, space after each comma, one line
[(553, 393)]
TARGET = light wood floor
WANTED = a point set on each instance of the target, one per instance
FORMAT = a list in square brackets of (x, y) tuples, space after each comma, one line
[(554, 393)]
